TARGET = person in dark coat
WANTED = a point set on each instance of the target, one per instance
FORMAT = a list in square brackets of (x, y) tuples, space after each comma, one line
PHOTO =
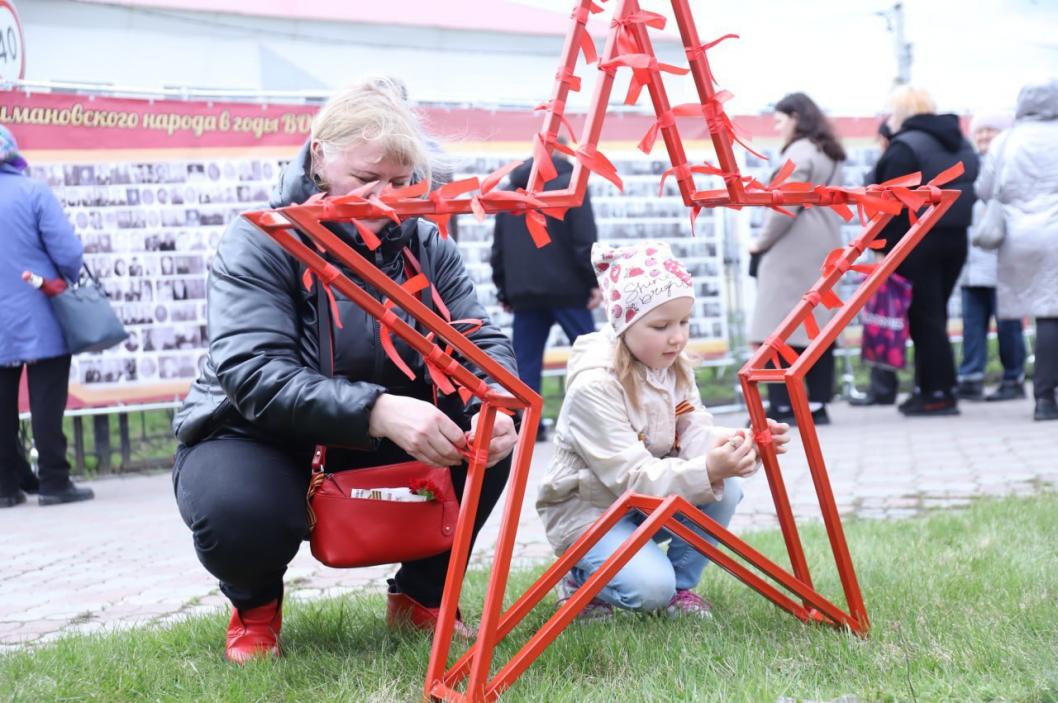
[(927, 142), (250, 422), (37, 244), (545, 285)]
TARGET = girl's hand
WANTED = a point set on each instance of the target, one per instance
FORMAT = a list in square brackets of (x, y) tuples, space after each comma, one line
[(780, 435), (503, 437), (418, 428), (732, 455)]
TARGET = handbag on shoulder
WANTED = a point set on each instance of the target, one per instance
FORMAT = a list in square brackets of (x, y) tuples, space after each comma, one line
[(991, 230), (88, 322)]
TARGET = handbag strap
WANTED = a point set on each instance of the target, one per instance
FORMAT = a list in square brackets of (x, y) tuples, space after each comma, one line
[(325, 337)]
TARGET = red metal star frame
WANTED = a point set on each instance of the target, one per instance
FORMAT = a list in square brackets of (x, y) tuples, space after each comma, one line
[(628, 46)]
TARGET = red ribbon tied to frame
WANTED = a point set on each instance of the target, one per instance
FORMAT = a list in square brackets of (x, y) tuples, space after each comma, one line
[(326, 278), (642, 66), (699, 51), (441, 197)]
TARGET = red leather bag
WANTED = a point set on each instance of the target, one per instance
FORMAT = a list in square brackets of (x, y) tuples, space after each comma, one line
[(352, 532)]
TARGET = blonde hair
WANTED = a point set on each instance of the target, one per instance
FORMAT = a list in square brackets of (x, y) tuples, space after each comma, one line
[(907, 101), (375, 111), (629, 371)]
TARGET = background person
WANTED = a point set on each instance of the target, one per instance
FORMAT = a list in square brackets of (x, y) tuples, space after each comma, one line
[(37, 239), (545, 285), (979, 300), (793, 249), (927, 142), (1022, 172)]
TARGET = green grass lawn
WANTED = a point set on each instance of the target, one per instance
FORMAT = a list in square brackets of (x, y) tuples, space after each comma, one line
[(964, 607)]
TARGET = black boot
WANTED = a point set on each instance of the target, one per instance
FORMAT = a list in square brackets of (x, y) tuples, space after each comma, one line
[(1046, 409), (69, 494), (1007, 390), (970, 390), (930, 404), (10, 500), (872, 399)]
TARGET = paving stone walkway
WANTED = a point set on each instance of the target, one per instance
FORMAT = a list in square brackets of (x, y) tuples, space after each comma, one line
[(126, 559)]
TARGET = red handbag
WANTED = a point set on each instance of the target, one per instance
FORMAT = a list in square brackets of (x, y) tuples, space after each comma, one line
[(348, 532), (351, 532)]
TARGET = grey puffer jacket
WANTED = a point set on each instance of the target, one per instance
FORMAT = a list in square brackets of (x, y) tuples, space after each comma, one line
[(263, 379), (1022, 172)]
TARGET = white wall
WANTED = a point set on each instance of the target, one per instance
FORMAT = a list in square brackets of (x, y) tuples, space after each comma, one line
[(145, 48)]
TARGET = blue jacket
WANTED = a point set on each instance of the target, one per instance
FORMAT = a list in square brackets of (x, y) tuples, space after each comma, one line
[(34, 236)]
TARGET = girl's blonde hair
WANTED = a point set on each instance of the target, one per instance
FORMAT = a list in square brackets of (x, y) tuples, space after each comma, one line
[(628, 370), (907, 101), (375, 111)]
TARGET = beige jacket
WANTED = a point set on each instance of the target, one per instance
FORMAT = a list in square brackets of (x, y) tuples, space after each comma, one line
[(796, 247), (604, 446)]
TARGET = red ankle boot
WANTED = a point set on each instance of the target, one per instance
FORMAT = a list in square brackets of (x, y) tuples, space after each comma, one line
[(404, 611), (254, 632)]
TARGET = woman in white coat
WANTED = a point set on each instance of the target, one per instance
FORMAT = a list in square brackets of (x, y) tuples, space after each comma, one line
[(1022, 173)]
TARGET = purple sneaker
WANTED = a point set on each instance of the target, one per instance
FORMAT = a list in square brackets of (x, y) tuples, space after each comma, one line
[(596, 609), (688, 603)]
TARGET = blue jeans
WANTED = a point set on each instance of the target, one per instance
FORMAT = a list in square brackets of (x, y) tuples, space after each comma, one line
[(978, 308), (651, 578), (531, 329)]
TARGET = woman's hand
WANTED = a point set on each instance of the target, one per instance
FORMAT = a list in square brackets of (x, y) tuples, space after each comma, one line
[(418, 428), (732, 455), (503, 437)]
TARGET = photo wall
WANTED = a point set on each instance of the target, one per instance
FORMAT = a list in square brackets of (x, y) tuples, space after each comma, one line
[(149, 230)]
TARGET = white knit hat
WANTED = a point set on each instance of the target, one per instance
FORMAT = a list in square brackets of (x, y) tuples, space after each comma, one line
[(634, 280), (998, 121)]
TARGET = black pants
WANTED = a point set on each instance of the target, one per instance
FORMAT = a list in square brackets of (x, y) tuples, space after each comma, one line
[(933, 268), (1045, 375), (819, 379), (245, 504), (48, 388)]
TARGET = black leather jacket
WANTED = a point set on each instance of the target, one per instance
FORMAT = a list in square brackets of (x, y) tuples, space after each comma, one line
[(262, 379)]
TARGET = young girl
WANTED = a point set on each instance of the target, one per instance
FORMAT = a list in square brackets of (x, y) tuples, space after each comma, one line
[(632, 419)]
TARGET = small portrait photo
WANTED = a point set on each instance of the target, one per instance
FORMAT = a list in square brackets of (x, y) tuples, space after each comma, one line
[(162, 196), (166, 267), (147, 196), (168, 367), (179, 289), (148, 368), (161, 313), (188, 265), (132, 344), (213, 171), (90, 371)]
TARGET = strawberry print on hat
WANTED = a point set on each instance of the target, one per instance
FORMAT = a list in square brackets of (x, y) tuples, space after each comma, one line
[(650, 276)]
